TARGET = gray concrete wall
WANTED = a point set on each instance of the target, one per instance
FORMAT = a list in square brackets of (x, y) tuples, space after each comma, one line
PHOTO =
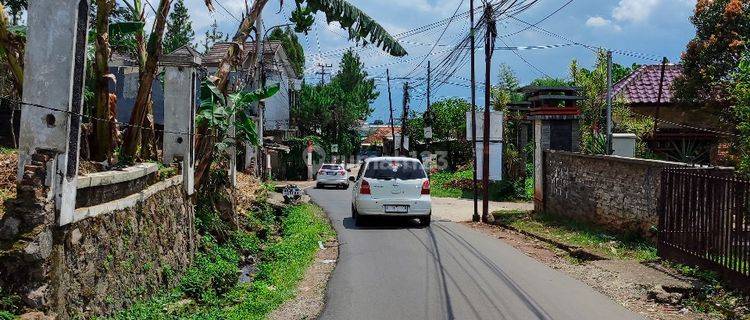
[(617, 193)]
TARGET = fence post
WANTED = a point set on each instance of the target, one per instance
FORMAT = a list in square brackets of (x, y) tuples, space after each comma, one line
[(55, 61), (180, 87)]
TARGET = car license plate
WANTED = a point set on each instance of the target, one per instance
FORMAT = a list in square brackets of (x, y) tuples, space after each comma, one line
[(331, 173), (396, 209)]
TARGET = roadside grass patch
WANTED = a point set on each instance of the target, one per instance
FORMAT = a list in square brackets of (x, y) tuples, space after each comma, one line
[(567, 231), (458, 184), (211, 290)]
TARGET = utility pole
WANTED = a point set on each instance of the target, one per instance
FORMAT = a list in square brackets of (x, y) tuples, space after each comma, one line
[(405, 117), (664, 62), (475, 217), (323, 72), (390, 107), (428, 111), (489, 47), (609, 103)]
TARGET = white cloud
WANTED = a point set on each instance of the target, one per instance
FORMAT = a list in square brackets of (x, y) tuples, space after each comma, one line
[(634, 10), (597, 21), (601, 22)]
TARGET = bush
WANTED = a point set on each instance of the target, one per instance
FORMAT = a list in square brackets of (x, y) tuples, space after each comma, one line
[(5, 315)]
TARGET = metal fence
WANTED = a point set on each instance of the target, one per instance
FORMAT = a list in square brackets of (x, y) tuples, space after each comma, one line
[(704, 221)]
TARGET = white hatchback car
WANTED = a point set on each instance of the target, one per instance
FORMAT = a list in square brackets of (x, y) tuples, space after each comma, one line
[(391, 187)]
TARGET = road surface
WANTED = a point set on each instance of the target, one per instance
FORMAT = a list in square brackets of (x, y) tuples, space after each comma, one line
[(397, 270)]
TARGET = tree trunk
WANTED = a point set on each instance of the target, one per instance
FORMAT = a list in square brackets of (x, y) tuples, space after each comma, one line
[(13, 51), (102, 131), (204, 141), (141, 108)]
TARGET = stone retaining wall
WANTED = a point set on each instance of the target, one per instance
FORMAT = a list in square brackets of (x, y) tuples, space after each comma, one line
[(119, 252), (617, 193)]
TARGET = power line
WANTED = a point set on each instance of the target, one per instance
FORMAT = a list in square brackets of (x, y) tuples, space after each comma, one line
[(225, 9), (439, 38)]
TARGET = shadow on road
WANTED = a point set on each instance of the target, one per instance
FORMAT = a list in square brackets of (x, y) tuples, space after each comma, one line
[(383, 223)]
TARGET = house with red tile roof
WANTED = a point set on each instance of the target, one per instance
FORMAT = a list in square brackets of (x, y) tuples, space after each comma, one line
[(682, 131)]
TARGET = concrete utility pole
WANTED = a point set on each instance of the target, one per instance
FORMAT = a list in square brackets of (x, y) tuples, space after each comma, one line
[(489, 47), (404, 117), (609, 102), (323, 72), (475, 217), (390, 107), (428, 111)]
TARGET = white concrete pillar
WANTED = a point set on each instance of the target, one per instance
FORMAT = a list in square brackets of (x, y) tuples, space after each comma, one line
[(55, 61), (180, 90)]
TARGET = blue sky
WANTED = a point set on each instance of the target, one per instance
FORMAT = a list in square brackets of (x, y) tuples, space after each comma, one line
[(653, 27)]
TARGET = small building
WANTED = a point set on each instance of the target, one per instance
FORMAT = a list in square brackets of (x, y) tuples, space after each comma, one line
[(679, 135)]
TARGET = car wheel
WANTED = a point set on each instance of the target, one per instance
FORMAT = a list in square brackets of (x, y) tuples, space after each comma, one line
[(425, 221), (318, 186)]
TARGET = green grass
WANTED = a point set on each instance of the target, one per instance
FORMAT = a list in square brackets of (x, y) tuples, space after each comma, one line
[(212, 285), (607, 244), (446, 184)]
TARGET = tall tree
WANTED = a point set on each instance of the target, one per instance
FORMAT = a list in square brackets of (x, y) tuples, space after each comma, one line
[(713, 55), (293, 48), (11, 48), (142, 115), (334, 110), (102, 150), (741, 93), (505, 91), (213, 35), (15, 9), (179, 28)]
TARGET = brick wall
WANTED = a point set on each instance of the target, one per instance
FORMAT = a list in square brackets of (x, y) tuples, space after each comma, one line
[(619, 194)]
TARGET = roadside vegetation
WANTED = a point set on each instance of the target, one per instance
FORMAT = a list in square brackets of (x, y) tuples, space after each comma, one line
[(458, 184), (588, 237), (273, 260)]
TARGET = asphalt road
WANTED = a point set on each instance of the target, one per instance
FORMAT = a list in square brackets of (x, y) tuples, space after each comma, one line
[(397, 270)]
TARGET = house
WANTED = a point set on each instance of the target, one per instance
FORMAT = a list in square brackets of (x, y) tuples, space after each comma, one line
[(378, 140), (274, 118), (278, 69), (683, 132)]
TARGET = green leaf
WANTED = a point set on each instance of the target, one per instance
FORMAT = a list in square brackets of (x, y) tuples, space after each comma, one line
[(361, 27), (124, 28)]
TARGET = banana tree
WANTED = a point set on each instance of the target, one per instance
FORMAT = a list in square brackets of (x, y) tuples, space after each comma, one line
[(360, 26), (142, 115), (216, 114)]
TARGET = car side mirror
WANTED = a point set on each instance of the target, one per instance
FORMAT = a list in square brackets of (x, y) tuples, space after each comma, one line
[(352, 179), (348, 170)]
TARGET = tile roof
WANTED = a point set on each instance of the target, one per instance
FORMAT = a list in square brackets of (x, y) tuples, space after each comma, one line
[(642, 86), (380, 134), (219, 50)]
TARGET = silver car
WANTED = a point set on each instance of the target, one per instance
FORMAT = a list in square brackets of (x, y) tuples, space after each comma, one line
[(332, 175)]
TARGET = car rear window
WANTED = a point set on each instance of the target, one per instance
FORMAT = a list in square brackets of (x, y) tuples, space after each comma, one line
[(331, 167), (398, 169)]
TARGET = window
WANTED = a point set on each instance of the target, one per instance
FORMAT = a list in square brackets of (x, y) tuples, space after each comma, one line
[(331, 167), (388, 170)]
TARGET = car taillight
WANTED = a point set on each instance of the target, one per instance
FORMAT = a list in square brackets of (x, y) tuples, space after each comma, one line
[(320, 171), (342, 173), (364, 188), (426, 187)]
